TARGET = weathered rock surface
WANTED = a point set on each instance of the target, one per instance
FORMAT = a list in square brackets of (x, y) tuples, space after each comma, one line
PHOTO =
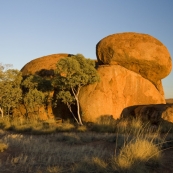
[(44, 65), (118, 89), (137, 52), (153, 113)]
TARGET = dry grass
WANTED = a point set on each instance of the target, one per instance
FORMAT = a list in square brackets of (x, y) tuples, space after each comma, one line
[(131, 147), (134, 156), (56, 152), (3, 146)]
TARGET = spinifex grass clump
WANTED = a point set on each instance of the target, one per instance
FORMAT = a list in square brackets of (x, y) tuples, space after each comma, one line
[(134, 156), (139, 149), (3, 146)]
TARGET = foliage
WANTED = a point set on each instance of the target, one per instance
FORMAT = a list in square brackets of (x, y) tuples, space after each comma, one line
[(71, 75), (10, 91), (36, 92), (33, 99)]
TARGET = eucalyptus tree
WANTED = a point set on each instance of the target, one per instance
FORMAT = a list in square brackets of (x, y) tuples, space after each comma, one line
[(10, 91), (71, 74), (32, 97)]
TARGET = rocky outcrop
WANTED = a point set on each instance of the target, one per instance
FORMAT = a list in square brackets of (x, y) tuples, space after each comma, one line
[(137, 52), (119, 88), (44, 66), (131, 66), (168, 113), (153, 113)]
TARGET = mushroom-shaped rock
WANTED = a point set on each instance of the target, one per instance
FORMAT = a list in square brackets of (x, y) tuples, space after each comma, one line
[(44, 65), (137, 52)]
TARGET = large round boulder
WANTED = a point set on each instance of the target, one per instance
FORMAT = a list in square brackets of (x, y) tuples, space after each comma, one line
[(118, 88), (137, 52), (43, 65)]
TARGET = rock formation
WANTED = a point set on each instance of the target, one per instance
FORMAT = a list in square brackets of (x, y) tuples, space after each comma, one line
[(131, 66), (43, 65), (168, 113), (140, 53), (118, 88), (153, 113)]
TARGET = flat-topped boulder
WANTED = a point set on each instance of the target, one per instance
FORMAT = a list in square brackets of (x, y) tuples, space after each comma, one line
[(137, 52)]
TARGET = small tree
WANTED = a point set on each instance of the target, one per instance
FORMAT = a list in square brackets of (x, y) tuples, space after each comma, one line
[(71, 75), (10, 91), (32, 97)]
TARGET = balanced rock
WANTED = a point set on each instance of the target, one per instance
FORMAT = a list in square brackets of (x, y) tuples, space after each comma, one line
[(119, 88), (137, 52)]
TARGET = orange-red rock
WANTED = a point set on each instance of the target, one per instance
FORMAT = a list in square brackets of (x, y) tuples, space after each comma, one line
[(118, 89), (154, 113), (137, 52), (44, 66), (43, 63), (168, 113)]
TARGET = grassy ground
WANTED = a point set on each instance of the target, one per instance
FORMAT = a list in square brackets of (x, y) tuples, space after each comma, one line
[(49, 147)]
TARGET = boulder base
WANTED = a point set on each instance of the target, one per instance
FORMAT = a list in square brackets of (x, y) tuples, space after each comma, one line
[(118, 89)]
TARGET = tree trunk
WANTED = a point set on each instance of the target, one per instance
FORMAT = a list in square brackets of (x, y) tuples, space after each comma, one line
[(2, 113), (76, 95), (69, 107), (78, 111)]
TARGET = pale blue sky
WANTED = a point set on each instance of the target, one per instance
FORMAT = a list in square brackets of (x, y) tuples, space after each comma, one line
[(33, 28)]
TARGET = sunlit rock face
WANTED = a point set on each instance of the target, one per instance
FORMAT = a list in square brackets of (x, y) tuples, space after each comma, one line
[(131, 66), (117, 89), (43, 66)]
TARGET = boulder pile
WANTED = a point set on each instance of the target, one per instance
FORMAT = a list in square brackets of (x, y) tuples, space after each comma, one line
[(131, 66)]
